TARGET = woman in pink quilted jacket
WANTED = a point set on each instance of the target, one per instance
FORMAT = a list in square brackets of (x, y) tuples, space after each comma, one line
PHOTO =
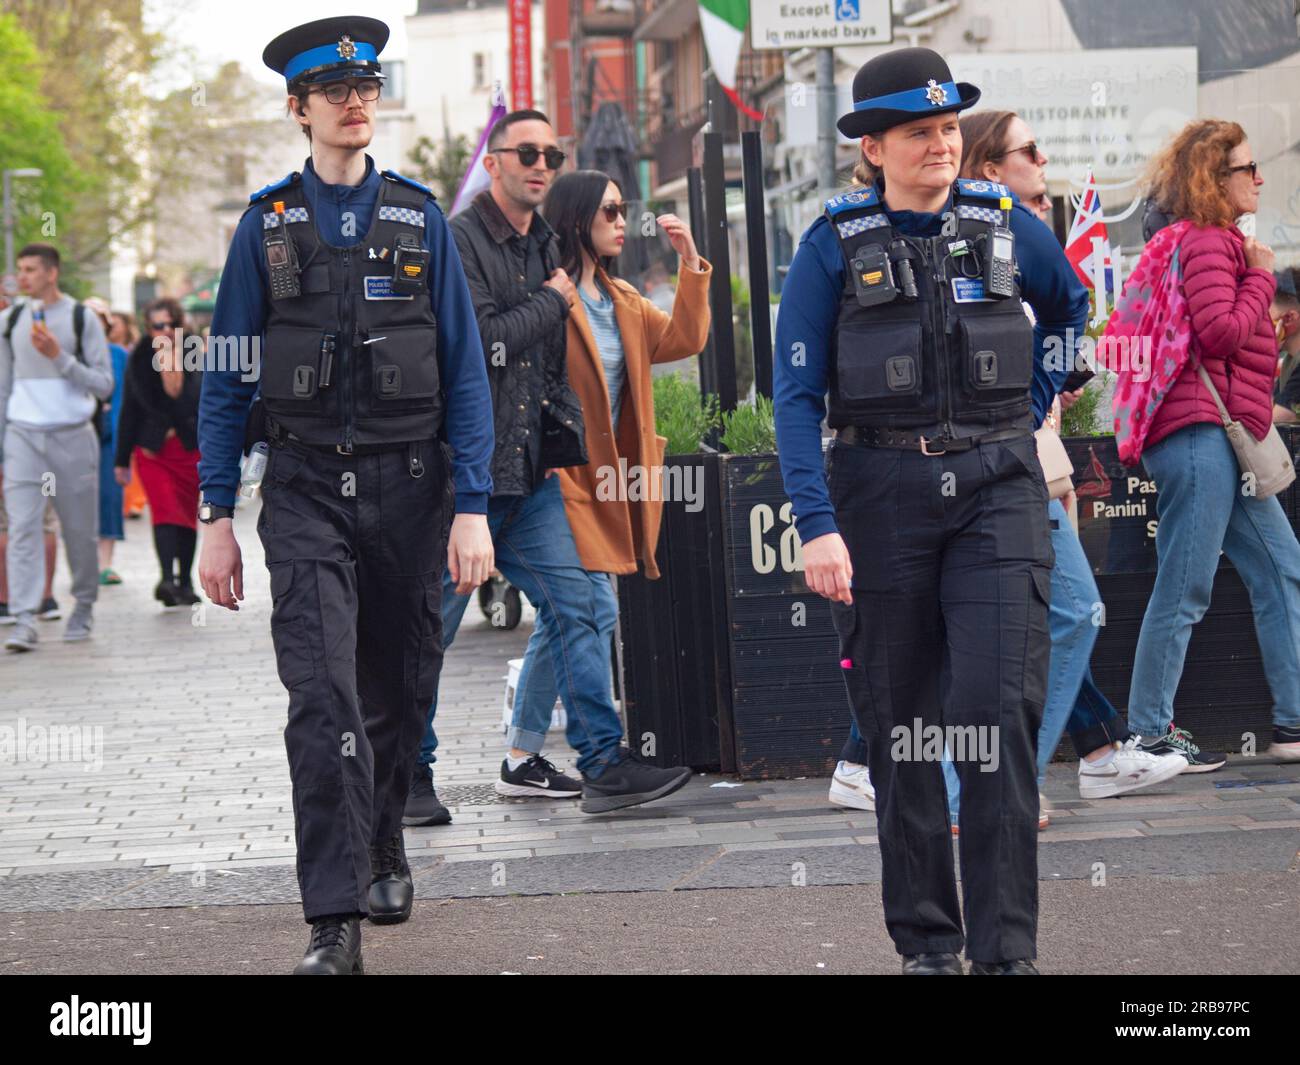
[(1208, 177)]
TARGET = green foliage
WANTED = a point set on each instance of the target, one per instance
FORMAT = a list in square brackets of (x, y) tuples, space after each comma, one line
[(29, 137), (681, 416), (441, 166), (743, 332), (750, 430), (1081, 418)]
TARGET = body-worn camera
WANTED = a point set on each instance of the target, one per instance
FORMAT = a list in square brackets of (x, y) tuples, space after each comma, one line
[(873, 276), (410, 266)]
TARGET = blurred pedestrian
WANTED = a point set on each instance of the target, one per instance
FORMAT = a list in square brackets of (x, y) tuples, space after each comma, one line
[(1285, 314), (54, 368), (159, 425), (111, 527)]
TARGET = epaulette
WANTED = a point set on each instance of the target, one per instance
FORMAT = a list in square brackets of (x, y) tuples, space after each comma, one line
[(275, 186), (853, 200), (981, 190), (393, 175)]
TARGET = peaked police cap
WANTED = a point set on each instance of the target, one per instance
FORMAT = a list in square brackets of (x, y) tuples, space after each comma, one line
[(900, 86)]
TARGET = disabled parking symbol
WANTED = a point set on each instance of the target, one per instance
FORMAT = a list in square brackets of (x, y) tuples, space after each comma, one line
[(847, 11)]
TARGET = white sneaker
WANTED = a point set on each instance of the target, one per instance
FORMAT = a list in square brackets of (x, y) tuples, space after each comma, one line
[(1132, 768), (851, 787)]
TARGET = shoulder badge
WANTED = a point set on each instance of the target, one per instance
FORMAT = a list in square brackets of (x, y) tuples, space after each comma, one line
[(275, 186), (393, 175), (853, 200), (982, 190)]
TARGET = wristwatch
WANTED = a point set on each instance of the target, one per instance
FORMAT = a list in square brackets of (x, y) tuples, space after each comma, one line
[(210, 512)]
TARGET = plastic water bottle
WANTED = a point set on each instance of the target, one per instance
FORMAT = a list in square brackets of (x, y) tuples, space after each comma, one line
[(250, 480)]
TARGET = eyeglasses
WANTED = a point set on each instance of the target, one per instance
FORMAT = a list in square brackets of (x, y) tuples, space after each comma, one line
[(1030, 149), (1253, 167), (613, 210), (337, 92), (161, 327), (528, 154)]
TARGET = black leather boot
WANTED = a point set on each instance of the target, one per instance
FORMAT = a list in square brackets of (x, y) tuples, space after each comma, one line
[(335, 947), (391, 891), (1019, 967), (422, 805), (931, 965)]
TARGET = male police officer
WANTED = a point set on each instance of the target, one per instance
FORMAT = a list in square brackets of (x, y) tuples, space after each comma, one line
[(371, 354), (928, 529)]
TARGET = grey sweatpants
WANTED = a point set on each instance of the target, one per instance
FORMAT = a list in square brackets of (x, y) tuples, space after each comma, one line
[(59, 466)]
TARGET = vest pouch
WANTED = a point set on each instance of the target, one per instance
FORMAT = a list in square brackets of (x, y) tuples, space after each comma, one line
[(997, 356), (403, 369), (878, 364), (291, 369)]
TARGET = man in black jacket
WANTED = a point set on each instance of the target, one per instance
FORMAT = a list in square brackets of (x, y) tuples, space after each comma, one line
[(521, 299)]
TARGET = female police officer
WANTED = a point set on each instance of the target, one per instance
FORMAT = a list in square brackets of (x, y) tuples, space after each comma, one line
[(928, 529)]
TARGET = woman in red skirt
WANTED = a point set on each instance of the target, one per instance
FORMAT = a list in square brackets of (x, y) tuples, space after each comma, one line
[(160, 415)]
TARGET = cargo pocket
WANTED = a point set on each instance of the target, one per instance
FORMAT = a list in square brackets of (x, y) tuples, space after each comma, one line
[(291, 369), (1038, 639), (853, 660), (404, 369), (878, 365), (997, 357), (293, 654)]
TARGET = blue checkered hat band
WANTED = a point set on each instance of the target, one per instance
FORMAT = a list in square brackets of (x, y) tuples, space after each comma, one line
[(861, 225), (402, 214), (980, 214), (291, 214)]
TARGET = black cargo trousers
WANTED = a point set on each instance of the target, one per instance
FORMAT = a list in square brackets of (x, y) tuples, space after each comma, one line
[(951, 563), (355, 545)]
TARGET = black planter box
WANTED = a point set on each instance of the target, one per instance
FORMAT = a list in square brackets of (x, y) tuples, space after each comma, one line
[(731, 662)]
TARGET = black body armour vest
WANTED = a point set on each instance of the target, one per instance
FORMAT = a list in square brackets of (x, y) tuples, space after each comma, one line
[(350, 360), (938, 356)]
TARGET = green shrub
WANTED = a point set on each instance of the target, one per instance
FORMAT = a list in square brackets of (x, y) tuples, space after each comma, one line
[(681, 416), (1081, 418), (750, 430)]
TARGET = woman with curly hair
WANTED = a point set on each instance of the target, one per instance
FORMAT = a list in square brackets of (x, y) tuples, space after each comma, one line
[(1208, 177)]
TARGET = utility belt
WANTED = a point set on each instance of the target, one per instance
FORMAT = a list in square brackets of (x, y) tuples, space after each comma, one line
[(904, 440), (278, 436)]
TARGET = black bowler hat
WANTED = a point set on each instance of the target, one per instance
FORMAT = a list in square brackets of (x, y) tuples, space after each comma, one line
[(328, 49), (901, 86)]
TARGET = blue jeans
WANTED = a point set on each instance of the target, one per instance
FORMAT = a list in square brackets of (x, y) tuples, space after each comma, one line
[(1202, 509), (536, 691), (1073, 624), (535, 552)]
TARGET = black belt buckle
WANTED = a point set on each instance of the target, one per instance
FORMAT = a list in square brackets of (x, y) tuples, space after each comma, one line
[(343, 449), (925, 447)]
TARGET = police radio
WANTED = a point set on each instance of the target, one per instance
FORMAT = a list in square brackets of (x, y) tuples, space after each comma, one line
[(873, 276), (281, 258), (410, 266), (1000, 263)]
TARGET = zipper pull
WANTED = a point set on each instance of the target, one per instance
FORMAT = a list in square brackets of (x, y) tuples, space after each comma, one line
[(413, 461)]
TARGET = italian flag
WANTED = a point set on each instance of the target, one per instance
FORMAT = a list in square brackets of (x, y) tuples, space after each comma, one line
[(723, 24)]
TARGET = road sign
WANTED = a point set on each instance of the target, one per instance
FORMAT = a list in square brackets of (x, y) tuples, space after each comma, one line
[(819, 23)]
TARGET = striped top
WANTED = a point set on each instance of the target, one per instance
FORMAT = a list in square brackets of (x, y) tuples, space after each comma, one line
[(604, 327)]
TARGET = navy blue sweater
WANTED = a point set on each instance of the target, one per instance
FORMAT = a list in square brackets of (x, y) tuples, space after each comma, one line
[(810, 303), (242, 311)]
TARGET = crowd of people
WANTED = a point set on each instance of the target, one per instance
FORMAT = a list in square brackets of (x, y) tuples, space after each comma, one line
[(449, 413)]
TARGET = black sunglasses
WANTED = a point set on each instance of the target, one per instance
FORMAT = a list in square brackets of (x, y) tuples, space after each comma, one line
[(1252, 167), (1030, 149), (528, 154), (613, 210), (161, 327), (337, 92)]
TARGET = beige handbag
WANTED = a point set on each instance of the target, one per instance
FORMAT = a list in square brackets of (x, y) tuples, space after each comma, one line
[(1267, 461), (1056, 464)]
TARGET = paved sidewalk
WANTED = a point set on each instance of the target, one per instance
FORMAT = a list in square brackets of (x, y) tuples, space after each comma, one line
[(179, 794)]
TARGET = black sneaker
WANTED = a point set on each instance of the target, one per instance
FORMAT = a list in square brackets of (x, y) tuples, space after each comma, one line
[(49, 611), (536, 777), (186, 596), (1180, 741), (6, 618), (629, 782), (422, 805)]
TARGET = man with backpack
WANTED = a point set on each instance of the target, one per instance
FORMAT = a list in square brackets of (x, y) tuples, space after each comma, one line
[(54, 368)]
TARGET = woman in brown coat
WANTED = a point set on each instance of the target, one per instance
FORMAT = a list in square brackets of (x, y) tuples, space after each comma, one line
[(614, 334)]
